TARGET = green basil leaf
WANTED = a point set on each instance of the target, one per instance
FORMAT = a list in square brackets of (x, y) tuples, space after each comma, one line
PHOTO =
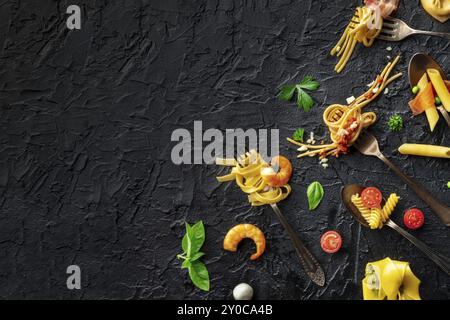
[(188, 240), (315, 194), (197, 256), (197, 238), (184, 242), (199, 275), (186, 264), (286, 92)]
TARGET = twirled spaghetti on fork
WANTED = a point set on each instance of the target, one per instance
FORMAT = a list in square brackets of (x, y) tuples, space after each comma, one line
[(364, 27), (346, 122)]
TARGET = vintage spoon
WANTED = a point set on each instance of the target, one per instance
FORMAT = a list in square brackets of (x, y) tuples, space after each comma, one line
[(418, 65), (346, 194)]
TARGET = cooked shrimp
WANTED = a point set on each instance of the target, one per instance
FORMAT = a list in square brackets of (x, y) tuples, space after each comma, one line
[(280, 178), (241, 231)]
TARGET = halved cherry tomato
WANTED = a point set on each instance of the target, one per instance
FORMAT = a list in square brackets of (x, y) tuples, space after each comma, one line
[(413, 218), (331, 242), (371, 197)]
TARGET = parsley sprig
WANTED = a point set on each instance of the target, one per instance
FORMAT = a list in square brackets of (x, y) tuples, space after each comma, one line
[(298, 134), (304, 100)]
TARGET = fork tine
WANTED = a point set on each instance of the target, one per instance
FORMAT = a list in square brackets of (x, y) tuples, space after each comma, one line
[(385, 38), (391, 19), (361, 137), (388, 32), (357, 143), (391, 24)]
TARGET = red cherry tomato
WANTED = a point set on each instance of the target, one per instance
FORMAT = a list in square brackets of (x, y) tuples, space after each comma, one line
[(413, 219), (371, 197), (331, 242)]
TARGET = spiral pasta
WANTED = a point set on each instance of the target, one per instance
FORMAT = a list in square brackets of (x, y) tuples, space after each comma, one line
[(375, 220), (345, 122), (376, 217), (390, 204), (246, 172), (364, 27), (356, 200)]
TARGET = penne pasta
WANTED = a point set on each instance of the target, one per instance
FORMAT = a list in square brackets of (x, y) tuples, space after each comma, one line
[(425, 150), (440, 87), (432, 117), (423, 82)]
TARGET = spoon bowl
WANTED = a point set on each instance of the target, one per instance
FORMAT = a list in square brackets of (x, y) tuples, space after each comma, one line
[(346, 195), (419, 64)]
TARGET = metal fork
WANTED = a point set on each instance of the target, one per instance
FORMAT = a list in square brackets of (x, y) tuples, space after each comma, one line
[(367, 144), (312, 267), (309, 262), (396, 30), (442, 261)]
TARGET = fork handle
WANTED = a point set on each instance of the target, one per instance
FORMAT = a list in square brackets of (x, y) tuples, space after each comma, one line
[(312, 267), (433, 33), (442, 211), (441, 261)]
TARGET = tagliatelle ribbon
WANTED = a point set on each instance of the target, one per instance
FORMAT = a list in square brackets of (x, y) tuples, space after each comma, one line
[(247, 174)]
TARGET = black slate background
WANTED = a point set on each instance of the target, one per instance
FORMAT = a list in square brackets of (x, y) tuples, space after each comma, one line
[(86, 118)]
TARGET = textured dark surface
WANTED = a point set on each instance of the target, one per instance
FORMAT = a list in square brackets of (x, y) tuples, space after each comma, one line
[(86, 118)]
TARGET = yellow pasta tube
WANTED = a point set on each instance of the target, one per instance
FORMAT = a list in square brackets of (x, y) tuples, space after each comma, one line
[(425, 150), (423, 82), (432, 117), (430, 111), (440, 87)]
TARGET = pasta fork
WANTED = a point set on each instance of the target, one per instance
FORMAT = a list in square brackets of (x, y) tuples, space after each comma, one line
[(367, 144), (396, 30), (309, 262)]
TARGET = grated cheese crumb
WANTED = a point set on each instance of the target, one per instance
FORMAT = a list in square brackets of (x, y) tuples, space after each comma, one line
[(350, 99), (354, 125)]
